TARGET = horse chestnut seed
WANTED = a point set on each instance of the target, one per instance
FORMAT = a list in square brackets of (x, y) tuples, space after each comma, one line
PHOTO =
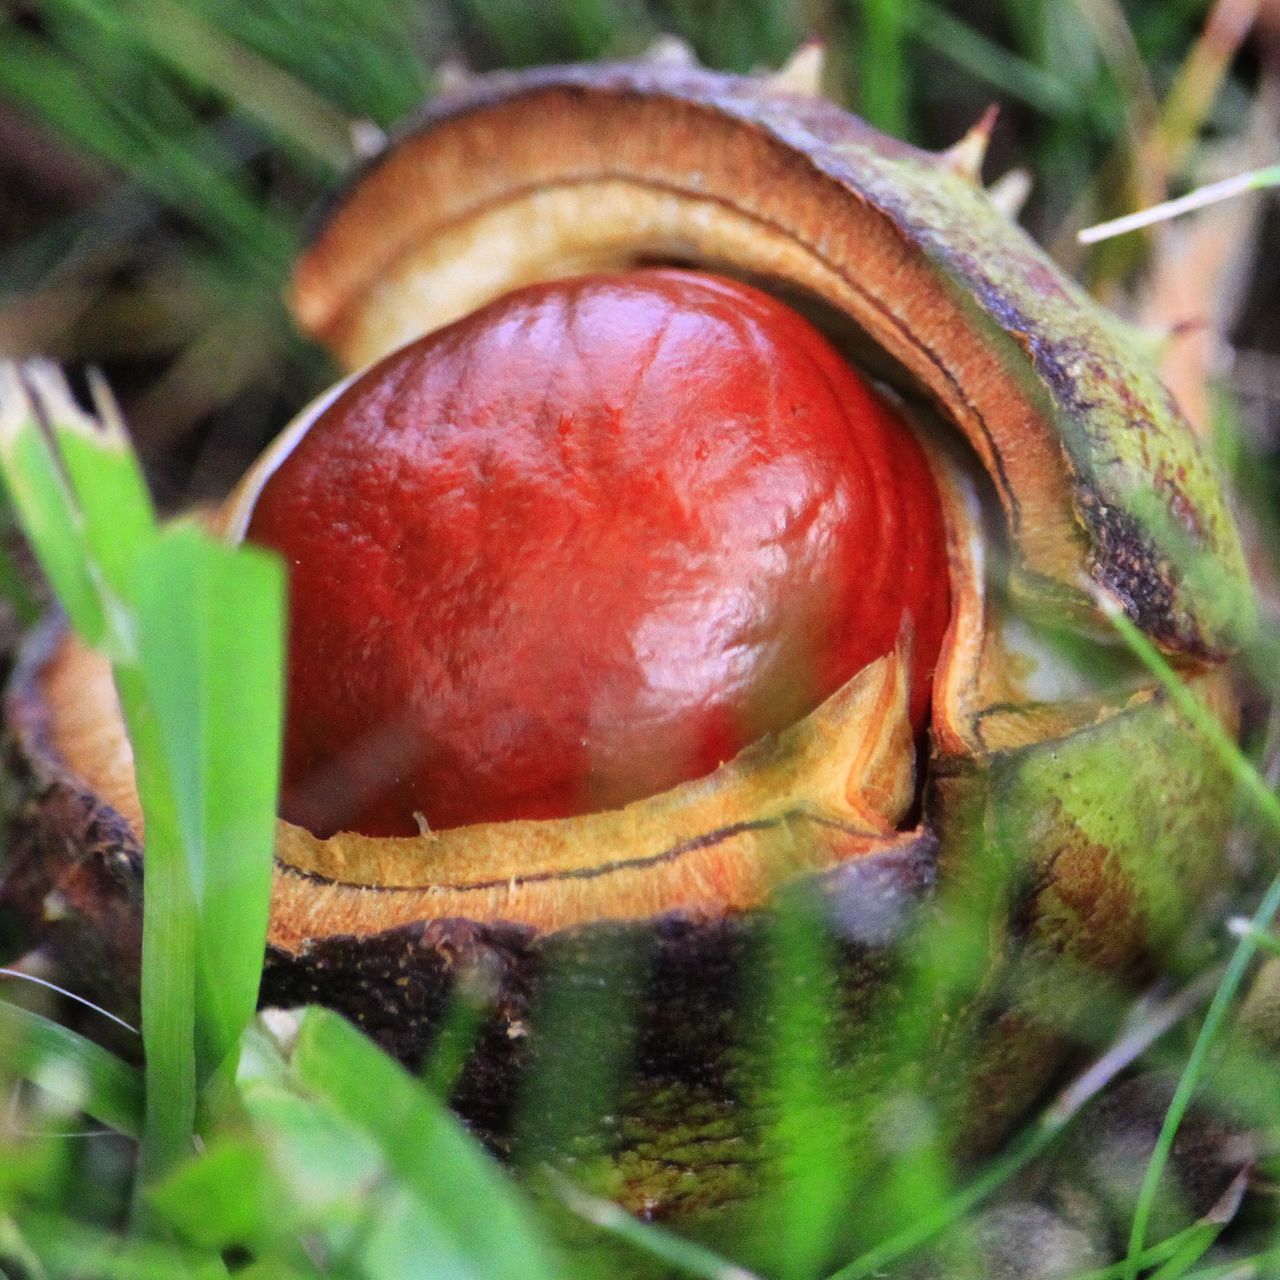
[(584, 544)]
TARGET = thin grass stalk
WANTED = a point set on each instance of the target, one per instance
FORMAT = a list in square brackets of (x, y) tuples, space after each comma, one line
[(1200, 79), (297, 117)]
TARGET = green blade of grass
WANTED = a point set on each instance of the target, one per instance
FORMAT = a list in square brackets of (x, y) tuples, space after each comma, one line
[(1154, 1255), (176, 157), (75, 1068), (990, 63), (107, 489), (230, 1197), (195, 631), (416, 1137), (1267, 942), (343, 1188), (14, 1247), (1199, 80), (80, 493), (1200, 198), (69, 1250), (13, 585), (1175, 1255), (168, 947), (199, 52), (807, 1198), (293, 114), (1258, 1266), (738, 35), (44, 505), (329, 1172), (363, 56), (884, 87), (1197, 1244), (55, 506), (210, 640), (524, 32)]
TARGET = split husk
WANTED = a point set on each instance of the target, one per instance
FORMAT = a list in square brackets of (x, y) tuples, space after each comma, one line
[(1071, 484)]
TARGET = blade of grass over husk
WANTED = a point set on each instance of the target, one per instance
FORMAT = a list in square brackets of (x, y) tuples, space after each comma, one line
[(807, 1194), (586, 1012), (686, 1256), (211, 646), (1038, 1136), (906, 1171), (75, 1068), (1254, 788), (195, 632), (460, 1026)]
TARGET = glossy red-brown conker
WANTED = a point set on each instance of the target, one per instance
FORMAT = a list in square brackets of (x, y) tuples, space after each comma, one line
[(584, 544)]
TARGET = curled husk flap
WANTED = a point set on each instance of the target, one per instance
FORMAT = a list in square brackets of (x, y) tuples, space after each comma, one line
[(1070, 482)]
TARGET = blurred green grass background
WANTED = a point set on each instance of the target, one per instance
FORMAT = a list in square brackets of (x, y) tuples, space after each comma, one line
[(159, 160)]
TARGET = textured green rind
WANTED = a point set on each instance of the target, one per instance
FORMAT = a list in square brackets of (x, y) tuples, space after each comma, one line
[(1119, 830), (1122, 438), (1114, 844)]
